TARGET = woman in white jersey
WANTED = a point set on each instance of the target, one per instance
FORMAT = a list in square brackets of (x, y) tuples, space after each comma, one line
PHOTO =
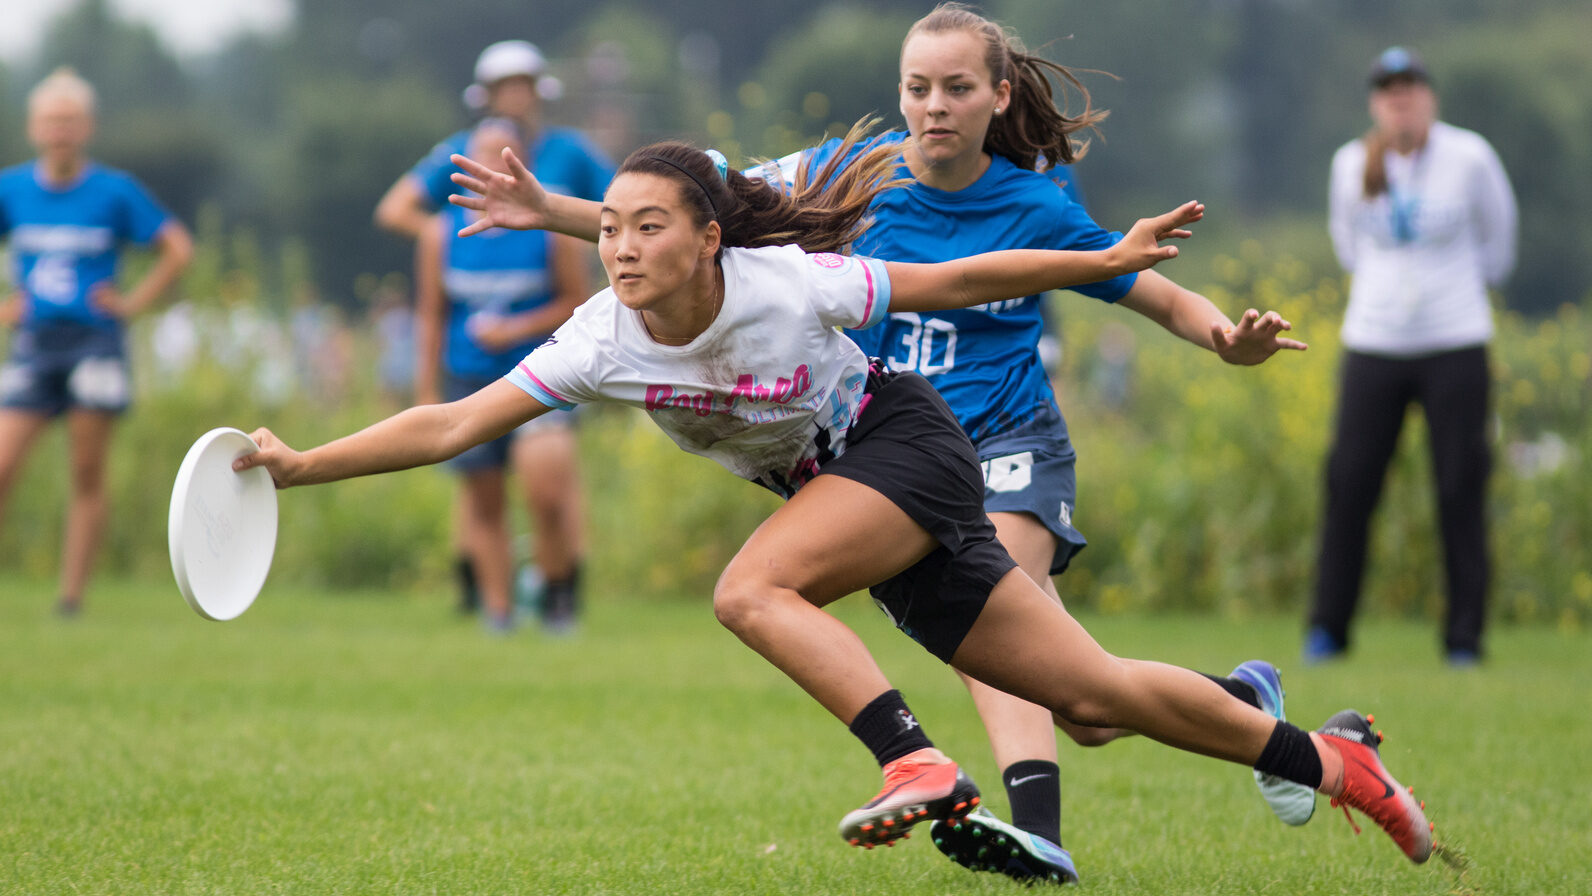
[(734, 351), (1423, 218)]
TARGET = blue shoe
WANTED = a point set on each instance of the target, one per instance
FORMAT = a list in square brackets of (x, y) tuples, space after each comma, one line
[(1321, 646), (1462, 658), (982, 842), (1290, 801)]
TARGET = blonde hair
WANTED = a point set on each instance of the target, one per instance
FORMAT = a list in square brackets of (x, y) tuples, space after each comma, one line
[(63, 82)]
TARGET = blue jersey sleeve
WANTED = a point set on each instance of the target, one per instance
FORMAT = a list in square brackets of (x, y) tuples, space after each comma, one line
[(1072, 228), (141, 215), (433, 173), (591, 169)]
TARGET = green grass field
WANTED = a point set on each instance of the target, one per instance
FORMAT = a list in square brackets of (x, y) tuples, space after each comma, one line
[(372, 743)]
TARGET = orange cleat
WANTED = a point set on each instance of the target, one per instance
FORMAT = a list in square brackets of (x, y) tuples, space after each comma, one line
[(920, 786), (1368, 787)]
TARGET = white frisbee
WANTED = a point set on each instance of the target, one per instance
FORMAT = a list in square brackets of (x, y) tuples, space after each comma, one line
[(222, 529)]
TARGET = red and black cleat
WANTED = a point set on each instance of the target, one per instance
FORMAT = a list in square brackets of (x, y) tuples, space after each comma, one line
[(920, 786), (1368, 787)]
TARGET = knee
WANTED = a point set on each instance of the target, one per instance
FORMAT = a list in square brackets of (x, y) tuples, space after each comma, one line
[(740, 600), (1086, 736), (1084, 719)]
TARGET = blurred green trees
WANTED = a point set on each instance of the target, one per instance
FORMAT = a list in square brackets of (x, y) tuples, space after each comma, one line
[(1238, 102)]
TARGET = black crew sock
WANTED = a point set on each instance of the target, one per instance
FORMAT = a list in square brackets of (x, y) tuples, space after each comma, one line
[(886, 727), (1243, 690), (469, 594), (561, 597), (1291, 754), (1033, 790)]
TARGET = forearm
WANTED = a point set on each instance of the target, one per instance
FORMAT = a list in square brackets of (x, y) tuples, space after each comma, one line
[(415, 437), (994, 277), (176, 250), (573, 216), (541, 321), (1182, 312)]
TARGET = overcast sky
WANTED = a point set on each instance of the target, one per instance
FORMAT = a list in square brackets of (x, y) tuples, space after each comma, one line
[(187, 26)]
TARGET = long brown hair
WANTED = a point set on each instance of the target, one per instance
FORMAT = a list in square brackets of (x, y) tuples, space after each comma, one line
[(823, 211), (1375, 179), (1032, 125)]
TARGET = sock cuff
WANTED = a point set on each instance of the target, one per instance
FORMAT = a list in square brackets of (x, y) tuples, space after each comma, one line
[(1021, 772), (888, 728), (1291, 754)]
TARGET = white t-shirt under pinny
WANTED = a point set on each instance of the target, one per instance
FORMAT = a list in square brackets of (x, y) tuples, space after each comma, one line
[(769, 390)]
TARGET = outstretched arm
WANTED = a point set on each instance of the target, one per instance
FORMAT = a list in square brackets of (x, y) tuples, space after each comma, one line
[(1013, 273), (173, 251), (517, 200), (1192, 316), (418, 436)]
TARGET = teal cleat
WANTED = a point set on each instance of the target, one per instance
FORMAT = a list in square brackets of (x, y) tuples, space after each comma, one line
[(1292, 802), (982, 842)]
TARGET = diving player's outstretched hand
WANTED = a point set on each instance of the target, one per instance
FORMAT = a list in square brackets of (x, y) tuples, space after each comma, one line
[(511, 198), (1141, 248)]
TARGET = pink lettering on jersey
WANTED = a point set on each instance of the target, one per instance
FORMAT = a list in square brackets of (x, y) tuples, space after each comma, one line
[(828, 259), (660, 397), (784, 391)]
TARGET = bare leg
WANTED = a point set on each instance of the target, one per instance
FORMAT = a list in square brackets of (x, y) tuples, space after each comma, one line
[(547, 465), (90, 435), (18, 431), (1019, 730), (833, 538), (1027, 645), (486, 539)]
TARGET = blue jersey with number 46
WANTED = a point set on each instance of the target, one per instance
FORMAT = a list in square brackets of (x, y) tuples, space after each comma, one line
[(65, 240), (983, 360)]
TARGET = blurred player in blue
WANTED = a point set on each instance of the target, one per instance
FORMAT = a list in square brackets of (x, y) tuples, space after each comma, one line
[(66, 220), (484, 304), (512, 82), (510, 79)]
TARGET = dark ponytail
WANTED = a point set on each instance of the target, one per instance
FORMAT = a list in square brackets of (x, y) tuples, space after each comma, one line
[(823, 211)]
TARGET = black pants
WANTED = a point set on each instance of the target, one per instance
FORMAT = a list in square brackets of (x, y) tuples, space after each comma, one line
[(1452, 389)]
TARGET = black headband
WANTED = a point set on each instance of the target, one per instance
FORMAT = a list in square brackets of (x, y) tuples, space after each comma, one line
[(694, 179)]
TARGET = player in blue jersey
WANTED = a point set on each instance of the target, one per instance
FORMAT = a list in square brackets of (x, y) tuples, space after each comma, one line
[(66, 220), (483, 305), (509, 77), (981, 118)]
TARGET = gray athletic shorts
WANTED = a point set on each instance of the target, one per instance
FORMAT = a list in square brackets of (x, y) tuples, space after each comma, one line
[(1031, 469)]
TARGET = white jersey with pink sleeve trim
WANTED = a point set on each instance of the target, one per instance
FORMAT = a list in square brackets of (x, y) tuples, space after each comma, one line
[(769, 390)]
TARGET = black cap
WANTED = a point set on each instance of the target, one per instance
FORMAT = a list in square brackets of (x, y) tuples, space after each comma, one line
[(1398, 62)]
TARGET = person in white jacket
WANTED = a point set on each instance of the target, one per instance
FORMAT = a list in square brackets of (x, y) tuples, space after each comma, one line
[(1423, 219)]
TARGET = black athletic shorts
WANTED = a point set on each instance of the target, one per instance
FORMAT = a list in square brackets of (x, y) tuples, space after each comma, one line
[(907, 446)]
